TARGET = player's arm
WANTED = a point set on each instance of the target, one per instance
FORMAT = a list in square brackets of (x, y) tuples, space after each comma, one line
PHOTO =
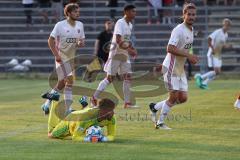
[(96, 47), (126, 46), (52, 46), (227, 46), (111, 131), (210, 44), (81, 39), (60, 131), (79, 132), (183, 53), (77, 136), (81, 42)]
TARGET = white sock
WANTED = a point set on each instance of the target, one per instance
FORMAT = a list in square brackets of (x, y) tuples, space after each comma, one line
[(54, 91), (68, 98), (101, 87), (126, 90), (48, 102), (159, 105), (207, 80), (164, 112), (209, 74)]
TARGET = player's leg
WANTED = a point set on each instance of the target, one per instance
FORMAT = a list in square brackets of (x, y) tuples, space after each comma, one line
[(111, 68), (237, 103), (53, 93), (200, 78), (211, 75), (53, 119), (126, 90), (173, 85), (125, 70), (68, 97), (154, 107), (101, 87), (165, 109)]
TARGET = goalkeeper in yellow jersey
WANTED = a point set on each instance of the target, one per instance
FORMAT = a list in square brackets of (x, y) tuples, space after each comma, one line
[(77, 122)]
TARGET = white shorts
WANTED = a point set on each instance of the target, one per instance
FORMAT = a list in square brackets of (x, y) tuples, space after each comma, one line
[(214, 62), (112, 67), (175, 82), (63, 70)]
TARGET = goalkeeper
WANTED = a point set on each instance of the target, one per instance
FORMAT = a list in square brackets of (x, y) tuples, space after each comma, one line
[(77, 122)]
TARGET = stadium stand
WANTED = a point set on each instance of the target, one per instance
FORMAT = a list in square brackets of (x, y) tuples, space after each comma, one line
[(21, 42)]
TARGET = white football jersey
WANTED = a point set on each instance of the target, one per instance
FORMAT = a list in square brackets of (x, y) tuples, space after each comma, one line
[(182, 38), (124, 29), (219, 38), (66, 38)]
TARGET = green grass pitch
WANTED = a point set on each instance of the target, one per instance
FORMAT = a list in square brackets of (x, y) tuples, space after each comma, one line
[(206, 127)]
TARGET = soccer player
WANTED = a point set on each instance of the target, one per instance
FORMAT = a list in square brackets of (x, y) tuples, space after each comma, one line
[(77, 122), (64, 40), (173, 66), (118, 60), (216, 42), (237, 103)]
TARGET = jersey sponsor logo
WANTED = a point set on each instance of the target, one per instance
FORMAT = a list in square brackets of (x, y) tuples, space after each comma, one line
[(188, 46), (71, 40)]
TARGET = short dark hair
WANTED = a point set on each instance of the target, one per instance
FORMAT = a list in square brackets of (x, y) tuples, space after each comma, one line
[(129, 7), (70, 7), (106, 104)]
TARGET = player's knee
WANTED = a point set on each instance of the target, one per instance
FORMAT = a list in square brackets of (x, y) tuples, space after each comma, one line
[(217, 71), (110, 78), (127, 77), (69, 81)]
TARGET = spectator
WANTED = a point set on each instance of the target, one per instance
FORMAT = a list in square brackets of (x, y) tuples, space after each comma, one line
[(112, 3), (156, 5), (167, 13), (28, 4), (101, 50), (227, 2), (103, 41), (44, 4), (130, 1), (57, 9)]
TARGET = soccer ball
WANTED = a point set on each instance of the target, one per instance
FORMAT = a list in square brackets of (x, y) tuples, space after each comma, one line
[(94, 131)]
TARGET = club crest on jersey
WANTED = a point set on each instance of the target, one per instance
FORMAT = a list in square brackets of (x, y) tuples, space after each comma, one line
[(78, 30)]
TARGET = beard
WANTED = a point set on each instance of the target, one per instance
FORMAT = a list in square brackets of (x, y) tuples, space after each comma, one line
[(190, 22), (74, 18)]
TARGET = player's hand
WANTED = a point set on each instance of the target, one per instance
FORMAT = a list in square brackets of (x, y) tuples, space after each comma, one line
[(193, 58), (228, 46), (157, 68), (58, 59), (213, 51), (132, 52), (103, 139), (87, 139), (81, 43)]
